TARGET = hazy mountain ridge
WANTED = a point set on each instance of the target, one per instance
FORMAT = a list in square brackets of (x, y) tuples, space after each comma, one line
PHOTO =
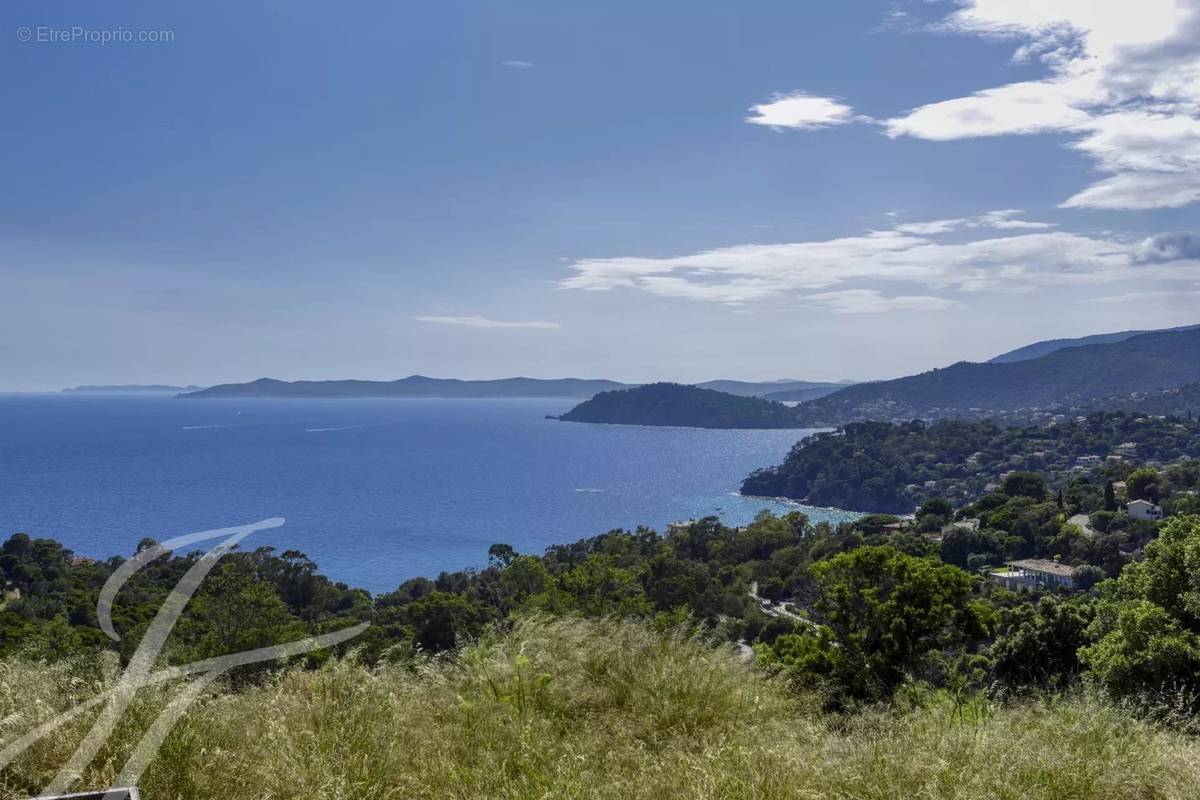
[(153, 388), (1086, 376), (1044, 348), (422, 386)]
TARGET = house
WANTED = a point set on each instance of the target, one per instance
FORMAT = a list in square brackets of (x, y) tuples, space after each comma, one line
[(1087, 461), (1033, 573), (895, 527), (1127, 449), (1144, 510), (675, 528)]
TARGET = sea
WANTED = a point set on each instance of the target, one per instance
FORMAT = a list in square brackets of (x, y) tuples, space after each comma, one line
[(375, 491)]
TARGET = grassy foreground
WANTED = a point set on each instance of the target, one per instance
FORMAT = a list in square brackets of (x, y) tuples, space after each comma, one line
[(567, 708)]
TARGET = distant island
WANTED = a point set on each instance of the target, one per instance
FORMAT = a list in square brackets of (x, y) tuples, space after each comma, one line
[(673, 404), (147, 388), (422, 386), (412, 386)]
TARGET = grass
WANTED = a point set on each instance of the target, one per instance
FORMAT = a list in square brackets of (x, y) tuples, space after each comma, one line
[(568, 708)]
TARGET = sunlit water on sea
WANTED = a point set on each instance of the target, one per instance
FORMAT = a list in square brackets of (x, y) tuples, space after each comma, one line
[(374, 491)]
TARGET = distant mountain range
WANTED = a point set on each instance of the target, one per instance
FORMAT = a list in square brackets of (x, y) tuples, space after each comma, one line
[(671, 404), (1155, 373), (421, 386), (148, 388), (1076, 377), (776, 390), (412, 386), (1039, 349)]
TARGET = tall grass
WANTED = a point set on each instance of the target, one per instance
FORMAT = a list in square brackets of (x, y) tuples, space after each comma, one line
[(564, 708)]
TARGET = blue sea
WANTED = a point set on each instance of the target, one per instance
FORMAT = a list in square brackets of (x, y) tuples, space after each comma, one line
[(375, 491)]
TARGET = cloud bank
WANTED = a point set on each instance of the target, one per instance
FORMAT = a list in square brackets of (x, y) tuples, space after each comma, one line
[(909, 267)]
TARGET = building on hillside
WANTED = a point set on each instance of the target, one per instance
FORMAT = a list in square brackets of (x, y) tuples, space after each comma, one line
[(1085, 462), (1128, 449), (679, 527), (1033, 573), (1144, 510)]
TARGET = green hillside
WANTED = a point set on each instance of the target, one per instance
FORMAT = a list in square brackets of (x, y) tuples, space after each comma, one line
[(673, 404), (1077, 377)]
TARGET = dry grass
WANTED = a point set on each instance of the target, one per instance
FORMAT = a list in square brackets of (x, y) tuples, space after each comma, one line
[(575, 709)]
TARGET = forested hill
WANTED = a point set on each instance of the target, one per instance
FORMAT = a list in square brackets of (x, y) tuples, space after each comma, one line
[(1091, 376), (685, 406), (1039, 349), (880, 466)]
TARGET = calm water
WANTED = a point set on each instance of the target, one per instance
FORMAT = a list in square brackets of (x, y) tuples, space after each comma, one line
[(373, 490)]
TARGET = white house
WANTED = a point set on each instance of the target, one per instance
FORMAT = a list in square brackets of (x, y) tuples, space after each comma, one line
[(1144, 510), (1033, 573)]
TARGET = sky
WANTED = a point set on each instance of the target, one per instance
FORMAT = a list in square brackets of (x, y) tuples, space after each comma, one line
[(198, 193)]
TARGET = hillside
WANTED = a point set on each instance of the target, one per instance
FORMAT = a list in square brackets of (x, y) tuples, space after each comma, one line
[(672, 404), (1039, 349), (412, 386), (776, 390), (602, 710), (421, 386), (1072, 378), (880, 466)]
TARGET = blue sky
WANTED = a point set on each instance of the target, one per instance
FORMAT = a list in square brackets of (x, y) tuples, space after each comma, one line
[(678, 190)]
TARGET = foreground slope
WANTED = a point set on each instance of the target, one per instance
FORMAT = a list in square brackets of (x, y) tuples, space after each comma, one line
[(575, 709), (1086, 376)]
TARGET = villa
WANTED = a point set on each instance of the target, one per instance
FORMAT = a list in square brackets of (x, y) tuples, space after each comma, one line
[(1144, 510), (1033, 573)]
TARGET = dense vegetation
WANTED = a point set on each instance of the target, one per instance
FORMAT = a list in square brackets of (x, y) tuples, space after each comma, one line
[(879, 466), (1076, 377), (686, 406), (601, 709)]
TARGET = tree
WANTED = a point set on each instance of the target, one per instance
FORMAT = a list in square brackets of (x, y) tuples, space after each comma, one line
[(1038, 644), (938, 506), (1110, 497), (883, 613), (1086, 576), (1024, 484), (1146, 634), (1142, 484), (501, 554)]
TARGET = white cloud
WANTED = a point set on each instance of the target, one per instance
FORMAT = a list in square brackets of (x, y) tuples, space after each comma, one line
[(870, 301), (519, 64), (800, 111), (879, 270), (1139, 190), (1167, 247), (1123, 78), (1000, 220), (484, 322)]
